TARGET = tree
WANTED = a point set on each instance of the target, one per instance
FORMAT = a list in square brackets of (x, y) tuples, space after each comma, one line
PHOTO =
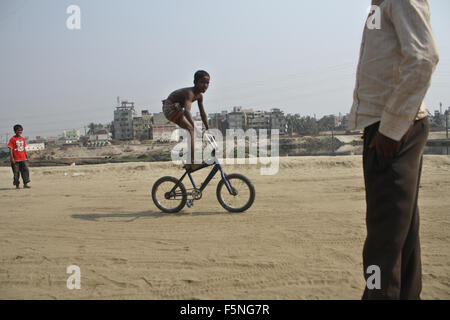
[(327, 123)]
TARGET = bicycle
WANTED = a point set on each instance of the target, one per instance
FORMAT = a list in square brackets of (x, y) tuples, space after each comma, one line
[(170, 195)]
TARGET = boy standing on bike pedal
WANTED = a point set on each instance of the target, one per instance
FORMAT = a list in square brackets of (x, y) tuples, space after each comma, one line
[(177, 108)]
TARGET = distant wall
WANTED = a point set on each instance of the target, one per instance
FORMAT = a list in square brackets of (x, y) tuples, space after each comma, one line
[(35, 146)]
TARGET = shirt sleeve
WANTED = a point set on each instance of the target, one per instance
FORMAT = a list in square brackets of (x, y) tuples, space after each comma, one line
[(411, 20)]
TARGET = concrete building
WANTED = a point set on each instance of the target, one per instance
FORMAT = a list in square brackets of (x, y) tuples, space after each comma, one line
[(142, 126), (278, 120), (123, 121), (259, 120), (237, 119), (73, 135), (218, 121), (162, 128), (99, 138)]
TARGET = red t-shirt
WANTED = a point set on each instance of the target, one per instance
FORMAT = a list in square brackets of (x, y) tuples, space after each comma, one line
[(17, 144)]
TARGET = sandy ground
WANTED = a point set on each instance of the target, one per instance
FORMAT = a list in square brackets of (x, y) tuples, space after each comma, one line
[(302, 239)]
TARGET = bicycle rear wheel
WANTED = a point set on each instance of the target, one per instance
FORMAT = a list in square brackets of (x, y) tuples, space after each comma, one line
[(164, 199), (242, 196)]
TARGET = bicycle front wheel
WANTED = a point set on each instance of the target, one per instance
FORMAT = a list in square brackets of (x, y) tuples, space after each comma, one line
[(242, 196), (167, 200)]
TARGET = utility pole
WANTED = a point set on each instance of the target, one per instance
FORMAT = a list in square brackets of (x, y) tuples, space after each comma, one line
[(446, 125), (446, 121), (332, 140)]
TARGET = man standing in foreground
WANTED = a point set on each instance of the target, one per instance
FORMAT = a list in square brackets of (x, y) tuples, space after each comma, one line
[(397, 59)]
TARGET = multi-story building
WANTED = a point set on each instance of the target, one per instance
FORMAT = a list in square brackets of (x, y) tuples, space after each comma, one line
[(123, 121), (237, 119), (218, 121), (142, 126), (162, 128), (259, 120), (278, 120)]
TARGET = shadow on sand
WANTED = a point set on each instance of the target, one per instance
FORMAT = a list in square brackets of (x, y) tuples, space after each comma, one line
[(145, 214), (12, 188)]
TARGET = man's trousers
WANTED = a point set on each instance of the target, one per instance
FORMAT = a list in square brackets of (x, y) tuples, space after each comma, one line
[(392, 216)]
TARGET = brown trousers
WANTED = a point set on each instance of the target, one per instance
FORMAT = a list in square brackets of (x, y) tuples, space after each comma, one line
[(392, 216)]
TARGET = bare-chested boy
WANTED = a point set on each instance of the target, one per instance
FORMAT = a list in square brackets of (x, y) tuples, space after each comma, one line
[(177, 108)]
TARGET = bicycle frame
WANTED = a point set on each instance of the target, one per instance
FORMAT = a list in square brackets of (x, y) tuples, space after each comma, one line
[(217, 167)]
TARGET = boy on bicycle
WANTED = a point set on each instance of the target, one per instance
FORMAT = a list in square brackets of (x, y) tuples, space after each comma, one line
[(177, 108)]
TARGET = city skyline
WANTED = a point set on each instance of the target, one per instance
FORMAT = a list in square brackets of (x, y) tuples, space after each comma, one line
[(84, 130)]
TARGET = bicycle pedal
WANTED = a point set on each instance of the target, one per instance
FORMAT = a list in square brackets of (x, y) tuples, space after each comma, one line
[(190, 203)]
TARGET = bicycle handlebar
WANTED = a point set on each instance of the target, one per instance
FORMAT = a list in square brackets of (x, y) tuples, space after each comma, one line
[(211, 139)]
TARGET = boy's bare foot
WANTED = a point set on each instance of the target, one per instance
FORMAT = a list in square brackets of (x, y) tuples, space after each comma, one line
[(26, 186)]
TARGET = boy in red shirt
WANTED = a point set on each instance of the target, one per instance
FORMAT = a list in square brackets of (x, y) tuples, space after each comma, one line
[(19, 158)]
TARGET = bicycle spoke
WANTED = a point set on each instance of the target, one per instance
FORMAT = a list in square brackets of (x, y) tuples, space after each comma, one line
[(165, 188), (242, 196)]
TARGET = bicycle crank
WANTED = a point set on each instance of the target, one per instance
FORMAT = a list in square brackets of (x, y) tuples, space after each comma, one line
[(196, 194)]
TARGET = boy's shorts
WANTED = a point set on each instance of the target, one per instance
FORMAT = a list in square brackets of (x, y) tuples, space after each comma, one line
[(173, 111)]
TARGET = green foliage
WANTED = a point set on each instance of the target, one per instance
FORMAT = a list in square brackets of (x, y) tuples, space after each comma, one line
[(148, 158), (305, 126)]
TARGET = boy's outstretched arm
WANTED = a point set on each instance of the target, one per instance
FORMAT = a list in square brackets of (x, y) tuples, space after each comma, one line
[(203, 113)]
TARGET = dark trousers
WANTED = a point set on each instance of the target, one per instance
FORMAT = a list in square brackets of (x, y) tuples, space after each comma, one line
[(20, 168), (392, 216)]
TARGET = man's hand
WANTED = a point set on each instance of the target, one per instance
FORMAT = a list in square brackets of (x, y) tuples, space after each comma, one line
[(385, 146)]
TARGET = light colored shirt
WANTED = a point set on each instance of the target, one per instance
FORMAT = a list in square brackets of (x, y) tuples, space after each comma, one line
[(397, 59)]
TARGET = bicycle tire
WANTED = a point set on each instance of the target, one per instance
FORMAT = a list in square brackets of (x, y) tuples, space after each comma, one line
[(251, 189), (157, 201)]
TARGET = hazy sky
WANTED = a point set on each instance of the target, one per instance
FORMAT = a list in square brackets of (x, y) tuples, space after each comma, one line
[(296, 55)]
